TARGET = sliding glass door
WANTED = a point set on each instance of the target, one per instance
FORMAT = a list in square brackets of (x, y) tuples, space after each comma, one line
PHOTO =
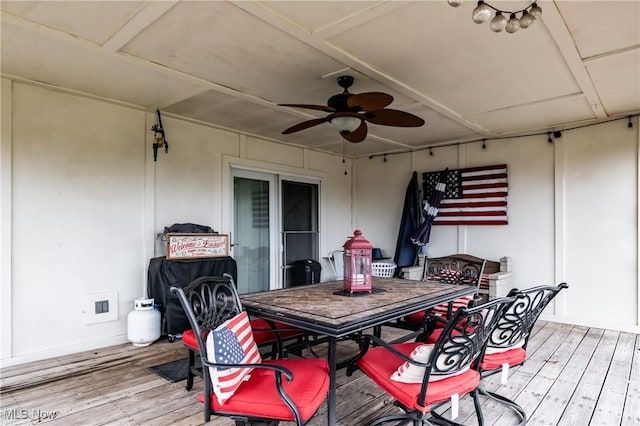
[(299, 226), (253, 230), (275, 223)]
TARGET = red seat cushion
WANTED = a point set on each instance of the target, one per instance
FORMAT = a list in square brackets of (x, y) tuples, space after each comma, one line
[(379, 364), (441, 309), (259, 396), (512, 357), (433, 337), (416, 317), (261, 335), (189, 339)]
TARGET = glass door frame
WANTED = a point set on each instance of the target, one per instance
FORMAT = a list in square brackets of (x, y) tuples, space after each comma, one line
[(231, 164), (304, 180), (274, 213)]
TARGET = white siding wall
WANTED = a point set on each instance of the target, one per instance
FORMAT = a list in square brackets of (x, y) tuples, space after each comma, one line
[(600, 225), (573, 216), (377, 214), (77, 201), (82, 201)]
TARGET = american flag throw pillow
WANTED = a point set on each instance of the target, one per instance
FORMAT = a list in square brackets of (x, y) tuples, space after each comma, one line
[(231, 343)]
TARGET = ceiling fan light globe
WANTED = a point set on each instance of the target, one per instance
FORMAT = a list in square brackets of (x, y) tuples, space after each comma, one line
[(481, 13), (454, 3), (346, 124)]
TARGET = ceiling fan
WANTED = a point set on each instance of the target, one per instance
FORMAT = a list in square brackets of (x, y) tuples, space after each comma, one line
[(349, 113)]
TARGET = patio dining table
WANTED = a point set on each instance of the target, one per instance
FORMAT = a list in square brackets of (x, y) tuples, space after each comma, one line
[(327, 309)]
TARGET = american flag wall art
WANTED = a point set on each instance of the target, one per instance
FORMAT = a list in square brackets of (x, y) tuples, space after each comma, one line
[(231, 343), (473, 196)]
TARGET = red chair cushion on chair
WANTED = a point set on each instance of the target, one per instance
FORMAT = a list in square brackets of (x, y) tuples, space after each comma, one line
[(259, 396), (441, 309), (260, 334), (189, 339), (416, 317), (512, 357), (433, 337), (379, 364)]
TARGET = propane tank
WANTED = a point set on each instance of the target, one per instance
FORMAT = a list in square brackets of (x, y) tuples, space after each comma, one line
[(143, 323)]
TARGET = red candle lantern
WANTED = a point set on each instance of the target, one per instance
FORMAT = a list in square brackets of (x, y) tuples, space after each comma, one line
[(357, 263)]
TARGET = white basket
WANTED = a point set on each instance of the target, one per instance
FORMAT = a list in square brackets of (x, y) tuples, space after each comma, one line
[(381, 269)]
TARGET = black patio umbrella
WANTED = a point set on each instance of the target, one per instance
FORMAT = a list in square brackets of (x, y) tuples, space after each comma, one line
[(430, 211), (406, 252)]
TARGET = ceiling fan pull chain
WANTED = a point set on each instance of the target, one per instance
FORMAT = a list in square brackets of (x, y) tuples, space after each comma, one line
[(344, 152)]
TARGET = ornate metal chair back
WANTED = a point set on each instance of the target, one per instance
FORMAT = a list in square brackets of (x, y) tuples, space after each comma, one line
[(517, 322), (464, 339), (208, 302), (454, 270)]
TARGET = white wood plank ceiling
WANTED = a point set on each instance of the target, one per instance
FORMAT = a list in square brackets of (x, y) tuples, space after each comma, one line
[(231, 63)]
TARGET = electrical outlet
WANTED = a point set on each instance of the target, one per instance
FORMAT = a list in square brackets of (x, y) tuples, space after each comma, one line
[(102, 306), (99, 307)]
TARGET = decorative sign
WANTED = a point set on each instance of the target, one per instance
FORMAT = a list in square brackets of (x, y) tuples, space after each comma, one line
[(190, 246)]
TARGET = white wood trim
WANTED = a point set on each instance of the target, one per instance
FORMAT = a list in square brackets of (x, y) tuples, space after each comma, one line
[(148, 213), (5, 219), (554, 22), (589, 322), (150, 12), (64, 350), (636, 125), (462, 229), (560, 236)]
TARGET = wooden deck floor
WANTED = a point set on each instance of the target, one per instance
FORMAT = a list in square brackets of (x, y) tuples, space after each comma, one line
[(574, 376)]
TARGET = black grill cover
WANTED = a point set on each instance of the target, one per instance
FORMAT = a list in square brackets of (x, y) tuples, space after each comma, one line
[(165, 273)]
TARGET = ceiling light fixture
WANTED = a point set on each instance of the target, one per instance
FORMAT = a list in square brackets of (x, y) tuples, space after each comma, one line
[(482, 13), (346, 123)]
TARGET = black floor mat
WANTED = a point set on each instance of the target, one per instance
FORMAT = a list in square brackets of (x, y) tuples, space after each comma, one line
[(173, 371)]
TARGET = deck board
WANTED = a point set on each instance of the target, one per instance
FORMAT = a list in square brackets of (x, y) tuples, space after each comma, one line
[(610, 404), (631, 413), (574, 376)]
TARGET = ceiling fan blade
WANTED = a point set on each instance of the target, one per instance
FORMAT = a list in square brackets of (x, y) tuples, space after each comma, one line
[(357, 135), (369, 101), (304, 125), (316, 107), (393, 117)]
